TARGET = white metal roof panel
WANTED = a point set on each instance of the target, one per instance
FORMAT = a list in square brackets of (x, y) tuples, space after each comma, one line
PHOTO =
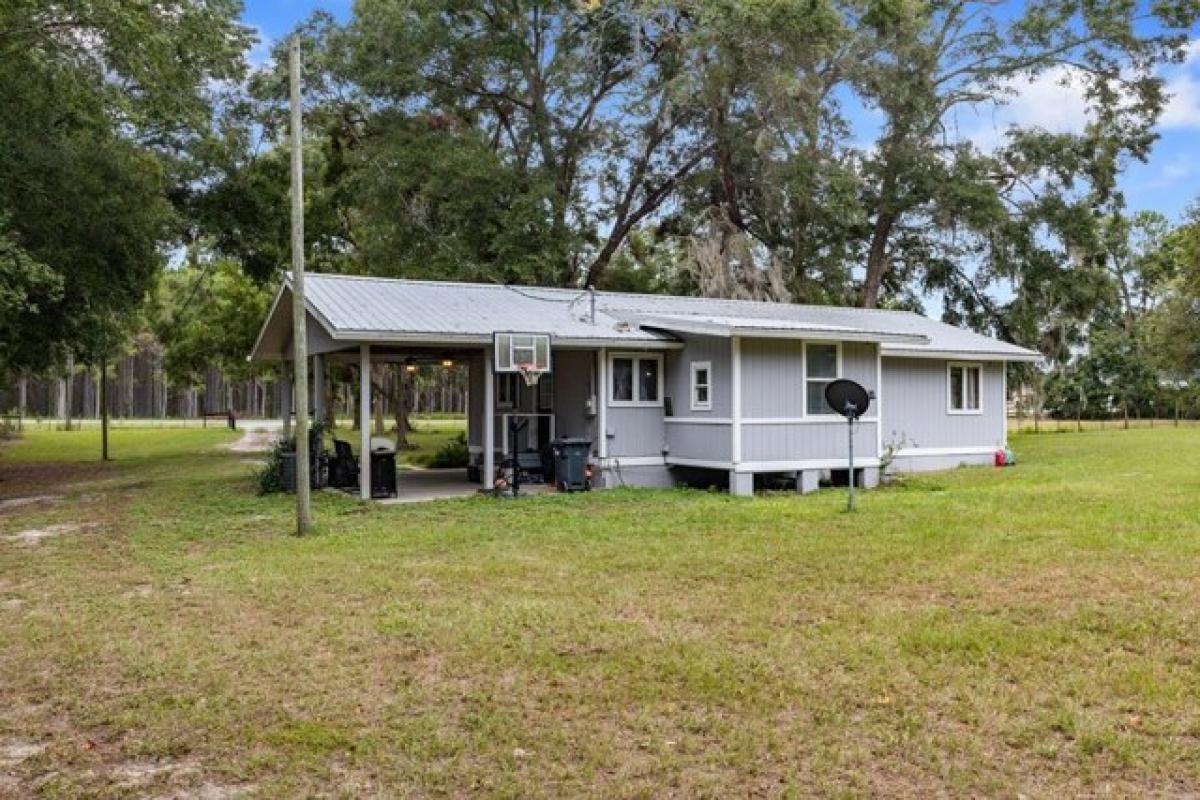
[(379, 308), (771, 327), (383, 309)]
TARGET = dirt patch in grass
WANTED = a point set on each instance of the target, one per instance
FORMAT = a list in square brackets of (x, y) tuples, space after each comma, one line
[(254, 440), (34, 536), (14, 503)]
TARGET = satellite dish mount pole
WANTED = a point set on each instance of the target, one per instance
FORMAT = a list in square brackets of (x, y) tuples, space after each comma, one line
[(850, 418)]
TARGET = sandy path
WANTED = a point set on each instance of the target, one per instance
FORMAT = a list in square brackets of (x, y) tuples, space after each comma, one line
[(254, 440)]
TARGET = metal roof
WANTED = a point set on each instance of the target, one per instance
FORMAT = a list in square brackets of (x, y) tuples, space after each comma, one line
[(770, 328), (353, 308)]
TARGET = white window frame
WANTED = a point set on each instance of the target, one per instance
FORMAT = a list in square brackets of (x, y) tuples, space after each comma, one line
[(964, 365), (697, 405), (637, 401), (804, 384), (507, 390)]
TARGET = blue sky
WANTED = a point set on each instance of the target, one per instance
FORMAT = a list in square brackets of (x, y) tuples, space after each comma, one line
[(1168, 182)]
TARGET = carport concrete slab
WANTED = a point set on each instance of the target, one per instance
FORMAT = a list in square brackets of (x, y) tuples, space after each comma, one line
[(420, 485)]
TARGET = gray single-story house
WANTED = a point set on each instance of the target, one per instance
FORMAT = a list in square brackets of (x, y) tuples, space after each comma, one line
[(668, 388)]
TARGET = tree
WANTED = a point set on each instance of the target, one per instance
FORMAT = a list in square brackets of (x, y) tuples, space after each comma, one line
[(209, 316), (99, 100), (921, 62)]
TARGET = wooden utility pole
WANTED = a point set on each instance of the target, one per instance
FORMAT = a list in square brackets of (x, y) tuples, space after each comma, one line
[(103, 388), (299, 310)]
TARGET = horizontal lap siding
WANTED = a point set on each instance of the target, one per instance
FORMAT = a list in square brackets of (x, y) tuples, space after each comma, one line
[(701, 442), (914, 407)]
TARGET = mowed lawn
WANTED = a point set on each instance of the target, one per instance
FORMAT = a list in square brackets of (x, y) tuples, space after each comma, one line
[(1030, 631)]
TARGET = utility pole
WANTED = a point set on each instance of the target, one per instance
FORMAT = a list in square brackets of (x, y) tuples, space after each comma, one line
[(299, 310)]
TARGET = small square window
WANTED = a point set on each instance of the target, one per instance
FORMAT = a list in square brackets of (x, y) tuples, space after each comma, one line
[(701, 386)]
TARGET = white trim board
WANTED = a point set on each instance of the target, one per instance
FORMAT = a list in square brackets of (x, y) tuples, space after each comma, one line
[(940, 355), (773, 466), (824, 419), (632, 461), (917, 452)]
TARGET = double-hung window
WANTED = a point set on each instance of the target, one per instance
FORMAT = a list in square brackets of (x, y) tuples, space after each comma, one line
[(701, 386), (635, 380), (964, 394), (822, 362)]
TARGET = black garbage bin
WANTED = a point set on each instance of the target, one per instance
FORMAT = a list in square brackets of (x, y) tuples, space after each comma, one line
[(383, 473), (570, 464)]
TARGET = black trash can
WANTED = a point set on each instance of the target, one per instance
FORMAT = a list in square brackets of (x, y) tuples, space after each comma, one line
[(383, 473), (570, 464), (287, 470)]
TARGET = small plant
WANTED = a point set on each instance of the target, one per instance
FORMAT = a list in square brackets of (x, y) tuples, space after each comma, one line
[(890, 450), (269, 478), (453, 453)]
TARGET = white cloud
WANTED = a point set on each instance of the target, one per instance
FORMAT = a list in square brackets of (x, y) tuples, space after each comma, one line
[(1193, 52), (1183, 103), (1053, 100), (259, 54)]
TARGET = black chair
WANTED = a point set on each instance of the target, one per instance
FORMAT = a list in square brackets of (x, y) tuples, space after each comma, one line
[(343, 467)]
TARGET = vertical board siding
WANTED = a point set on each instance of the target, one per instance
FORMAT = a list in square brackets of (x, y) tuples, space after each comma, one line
[(637, 430), (773, 388), (802, 442), (772, 378), (773, 375), (914, 406), (677, 378), (475, 390), (572, 390), (703, 442)]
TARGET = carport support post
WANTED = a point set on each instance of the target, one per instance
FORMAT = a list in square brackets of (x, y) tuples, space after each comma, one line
[(488, 477), (285, 398), (318, 389), (364, 421)]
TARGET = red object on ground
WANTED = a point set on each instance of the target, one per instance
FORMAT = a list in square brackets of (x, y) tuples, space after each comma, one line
[(999, 458)]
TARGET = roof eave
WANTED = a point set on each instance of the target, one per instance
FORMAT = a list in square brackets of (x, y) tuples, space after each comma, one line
[(1027, 356), (702, 327)]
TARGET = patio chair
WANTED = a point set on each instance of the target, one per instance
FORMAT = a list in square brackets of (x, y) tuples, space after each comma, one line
[(343, 467)]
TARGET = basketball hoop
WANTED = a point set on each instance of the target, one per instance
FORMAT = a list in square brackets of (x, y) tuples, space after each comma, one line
[(530, 373)]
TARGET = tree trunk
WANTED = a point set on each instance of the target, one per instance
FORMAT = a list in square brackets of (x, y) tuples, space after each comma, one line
[(70, 399), (877, 258), (102, 390), (401, 410)]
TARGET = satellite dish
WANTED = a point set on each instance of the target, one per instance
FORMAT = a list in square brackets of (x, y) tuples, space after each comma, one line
[(847, 398)]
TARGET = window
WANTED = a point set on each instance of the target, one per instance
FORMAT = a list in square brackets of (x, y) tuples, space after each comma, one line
[(701, 386), (507, 390), (822, 363), (965, 388), (636, 380)]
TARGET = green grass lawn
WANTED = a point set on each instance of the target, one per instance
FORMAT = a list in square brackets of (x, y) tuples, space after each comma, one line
[(429, 434), (1031, 631)]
